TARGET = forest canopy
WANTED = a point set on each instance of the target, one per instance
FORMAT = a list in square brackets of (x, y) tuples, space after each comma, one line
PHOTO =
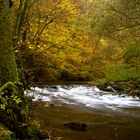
[(76, 40)]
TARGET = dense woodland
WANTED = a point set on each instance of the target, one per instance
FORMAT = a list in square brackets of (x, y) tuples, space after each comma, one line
[(43, 41), (76, 40)]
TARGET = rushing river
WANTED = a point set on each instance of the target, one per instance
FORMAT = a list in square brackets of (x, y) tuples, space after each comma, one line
[(108, 115)]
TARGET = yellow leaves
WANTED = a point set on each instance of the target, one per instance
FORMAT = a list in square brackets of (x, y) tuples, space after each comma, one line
[(41, 21), (66, 4), (57, 37), (104, 42)]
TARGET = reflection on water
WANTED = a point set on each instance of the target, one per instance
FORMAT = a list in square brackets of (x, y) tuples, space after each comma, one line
[(100, 126), (108, 116)]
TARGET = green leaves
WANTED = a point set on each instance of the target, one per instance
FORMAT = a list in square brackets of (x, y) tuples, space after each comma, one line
[(9, 97), (13, 103)]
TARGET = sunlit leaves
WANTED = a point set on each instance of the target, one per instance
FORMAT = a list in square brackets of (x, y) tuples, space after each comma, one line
[(74, 37)]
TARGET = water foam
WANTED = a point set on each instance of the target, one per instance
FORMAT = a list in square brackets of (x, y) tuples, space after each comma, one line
[(88, 96)]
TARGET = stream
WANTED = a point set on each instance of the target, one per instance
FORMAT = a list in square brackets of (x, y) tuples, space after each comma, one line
[(107, 115)]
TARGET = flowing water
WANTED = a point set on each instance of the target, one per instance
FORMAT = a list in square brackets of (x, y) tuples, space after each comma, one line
[(108, 115)]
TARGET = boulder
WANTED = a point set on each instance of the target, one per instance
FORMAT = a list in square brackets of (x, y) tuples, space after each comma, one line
[(76, 126), (105, 87)]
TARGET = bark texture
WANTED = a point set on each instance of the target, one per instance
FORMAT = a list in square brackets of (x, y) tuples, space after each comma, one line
[(8, 67)]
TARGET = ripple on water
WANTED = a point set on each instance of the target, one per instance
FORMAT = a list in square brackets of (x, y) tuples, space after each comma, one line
[(89, 97)]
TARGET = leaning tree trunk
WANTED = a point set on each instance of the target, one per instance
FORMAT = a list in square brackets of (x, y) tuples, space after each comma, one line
[(8, 67)]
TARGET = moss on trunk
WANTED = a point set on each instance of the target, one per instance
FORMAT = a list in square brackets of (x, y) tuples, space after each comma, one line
[(8, 68)]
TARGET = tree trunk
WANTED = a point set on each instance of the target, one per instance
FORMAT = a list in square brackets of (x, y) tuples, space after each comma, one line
[(8, 67)]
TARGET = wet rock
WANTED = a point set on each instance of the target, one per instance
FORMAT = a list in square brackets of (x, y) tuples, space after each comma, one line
[(66, 87), (76, 126), (131, 88), (49, 104), (128, 87), (105, 87), (135, 93), (54, 88)]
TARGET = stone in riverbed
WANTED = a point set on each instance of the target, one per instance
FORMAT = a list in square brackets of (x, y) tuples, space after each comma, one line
[(105, 87), (76, 126)]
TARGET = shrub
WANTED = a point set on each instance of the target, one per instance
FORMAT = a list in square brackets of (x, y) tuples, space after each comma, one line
[(121, 73)]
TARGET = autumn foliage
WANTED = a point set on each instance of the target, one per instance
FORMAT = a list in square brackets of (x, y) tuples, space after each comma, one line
[(77, 40)]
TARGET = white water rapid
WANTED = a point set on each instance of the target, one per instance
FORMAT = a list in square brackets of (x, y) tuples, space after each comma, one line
[(85, 96)]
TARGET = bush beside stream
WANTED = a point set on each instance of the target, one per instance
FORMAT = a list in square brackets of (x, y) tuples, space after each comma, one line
[(14, 114)]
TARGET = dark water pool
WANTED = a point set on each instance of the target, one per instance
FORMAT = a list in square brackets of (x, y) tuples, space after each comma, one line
[(100, 125)]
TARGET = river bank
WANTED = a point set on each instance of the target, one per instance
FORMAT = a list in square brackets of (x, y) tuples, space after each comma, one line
[(129, 87)]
